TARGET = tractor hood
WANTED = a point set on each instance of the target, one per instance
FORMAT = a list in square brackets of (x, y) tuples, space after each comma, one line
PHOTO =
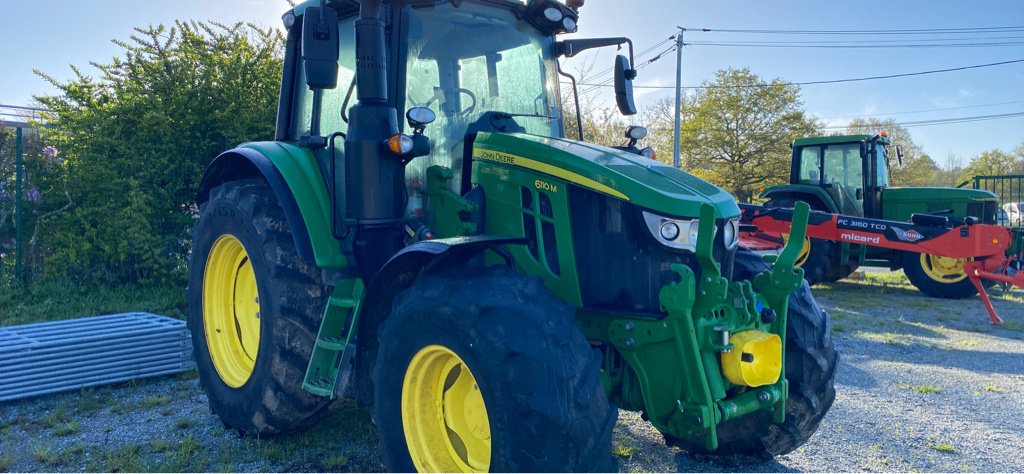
[(941, 196), (646, 183)]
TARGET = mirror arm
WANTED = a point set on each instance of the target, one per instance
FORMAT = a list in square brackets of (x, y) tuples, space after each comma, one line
[(570, 48)]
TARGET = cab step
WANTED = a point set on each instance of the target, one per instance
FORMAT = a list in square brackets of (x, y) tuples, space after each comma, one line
[(330, 364)]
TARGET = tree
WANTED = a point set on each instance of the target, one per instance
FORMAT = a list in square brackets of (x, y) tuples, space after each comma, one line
[(137, 138), (740, 129), (992, 162), (918, 168)]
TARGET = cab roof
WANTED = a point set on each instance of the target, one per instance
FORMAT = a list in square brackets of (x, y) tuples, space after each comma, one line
[(830, 140)]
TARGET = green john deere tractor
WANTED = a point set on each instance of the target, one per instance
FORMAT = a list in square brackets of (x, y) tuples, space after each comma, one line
[(850, 175), (493, 290)]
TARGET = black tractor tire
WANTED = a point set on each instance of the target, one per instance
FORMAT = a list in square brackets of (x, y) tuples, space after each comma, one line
[(811, 361), (822, 264), (292, 297), (913, 267), (538, 376)]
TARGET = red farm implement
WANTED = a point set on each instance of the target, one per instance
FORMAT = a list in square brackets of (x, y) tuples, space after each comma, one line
[(982, 246)]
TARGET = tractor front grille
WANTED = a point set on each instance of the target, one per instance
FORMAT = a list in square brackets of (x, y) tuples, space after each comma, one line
[(621, 266)]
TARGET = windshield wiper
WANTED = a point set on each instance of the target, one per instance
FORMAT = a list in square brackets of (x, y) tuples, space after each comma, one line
[(506, 116)]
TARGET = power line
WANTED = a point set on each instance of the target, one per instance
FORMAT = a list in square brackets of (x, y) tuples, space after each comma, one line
[(920, 31), (885, 41), (834, 81), (852, 46), (943, 121), (638, 57), (608, 82), (996, 104)]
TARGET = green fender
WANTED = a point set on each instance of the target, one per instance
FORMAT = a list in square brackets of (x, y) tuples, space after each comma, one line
[(295, 177), (801, 192)]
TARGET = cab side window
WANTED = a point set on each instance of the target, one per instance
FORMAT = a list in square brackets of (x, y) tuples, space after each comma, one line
[(810, 165)]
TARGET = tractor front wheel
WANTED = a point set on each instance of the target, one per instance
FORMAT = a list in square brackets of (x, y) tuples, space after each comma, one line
[(488, 372), (811, 361), (254, 310)]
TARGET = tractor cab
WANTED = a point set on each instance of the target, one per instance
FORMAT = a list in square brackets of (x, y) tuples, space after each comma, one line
[(483, 69), (852, 170)]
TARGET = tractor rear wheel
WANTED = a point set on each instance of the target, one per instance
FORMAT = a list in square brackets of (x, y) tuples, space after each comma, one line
[(811, 361), (254, 310), (487, 371), (819, 258), (939, 277)]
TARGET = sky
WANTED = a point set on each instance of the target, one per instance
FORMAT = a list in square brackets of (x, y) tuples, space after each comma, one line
[(51, 35)]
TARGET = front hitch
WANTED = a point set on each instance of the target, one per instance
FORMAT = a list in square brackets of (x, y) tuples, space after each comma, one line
[(677, 360)]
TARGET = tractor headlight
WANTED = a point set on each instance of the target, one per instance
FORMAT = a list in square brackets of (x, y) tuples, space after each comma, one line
[(676, 233), (682, 233), (731, 233)]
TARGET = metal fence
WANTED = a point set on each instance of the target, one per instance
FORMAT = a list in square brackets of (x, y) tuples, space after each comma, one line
[(1010, 189), (15, 192), (51, 357)]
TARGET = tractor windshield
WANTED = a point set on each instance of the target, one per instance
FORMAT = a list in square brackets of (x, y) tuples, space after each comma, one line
[(465, 59)]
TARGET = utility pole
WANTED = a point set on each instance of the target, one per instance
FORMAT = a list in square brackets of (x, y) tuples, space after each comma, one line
[(679, 95)]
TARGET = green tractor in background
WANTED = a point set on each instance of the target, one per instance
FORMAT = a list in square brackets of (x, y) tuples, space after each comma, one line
[(849, 175), (493, 290)]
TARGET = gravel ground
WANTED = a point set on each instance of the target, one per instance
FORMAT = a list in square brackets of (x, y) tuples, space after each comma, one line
[(923, 385)]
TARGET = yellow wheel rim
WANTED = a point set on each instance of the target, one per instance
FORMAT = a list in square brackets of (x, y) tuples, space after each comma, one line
[(443, 414), (231, 311), (943, 269), (801, 259)]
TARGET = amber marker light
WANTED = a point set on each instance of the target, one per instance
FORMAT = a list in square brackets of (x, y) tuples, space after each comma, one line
[(400, 144)]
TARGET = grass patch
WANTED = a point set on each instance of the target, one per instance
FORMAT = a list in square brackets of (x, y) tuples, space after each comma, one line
[(123, 459), (5, 462), (623, 451), (335, 462), (943, 447), (188, 456), (56, 300), (155, 400), (46, 455), (993, 388), (926, 389), (67, 428), (894, 279), (90, 402), (1013, 325), (183, 424), (159, 445), (56, 416)]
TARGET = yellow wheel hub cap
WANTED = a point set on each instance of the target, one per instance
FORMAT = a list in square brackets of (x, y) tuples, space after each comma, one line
[(443, 414), (805, 250), (231, 311), (943, 269)]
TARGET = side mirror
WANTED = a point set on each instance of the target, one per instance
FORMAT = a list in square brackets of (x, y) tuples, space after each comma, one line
[(624, 76), (899, 154), (420, 117), (320, 47), (863, 148)]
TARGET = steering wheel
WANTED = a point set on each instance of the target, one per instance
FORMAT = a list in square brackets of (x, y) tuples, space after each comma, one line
[(462, 90)]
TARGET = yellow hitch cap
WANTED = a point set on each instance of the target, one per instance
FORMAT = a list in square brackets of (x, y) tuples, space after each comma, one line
[(755, 359)]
